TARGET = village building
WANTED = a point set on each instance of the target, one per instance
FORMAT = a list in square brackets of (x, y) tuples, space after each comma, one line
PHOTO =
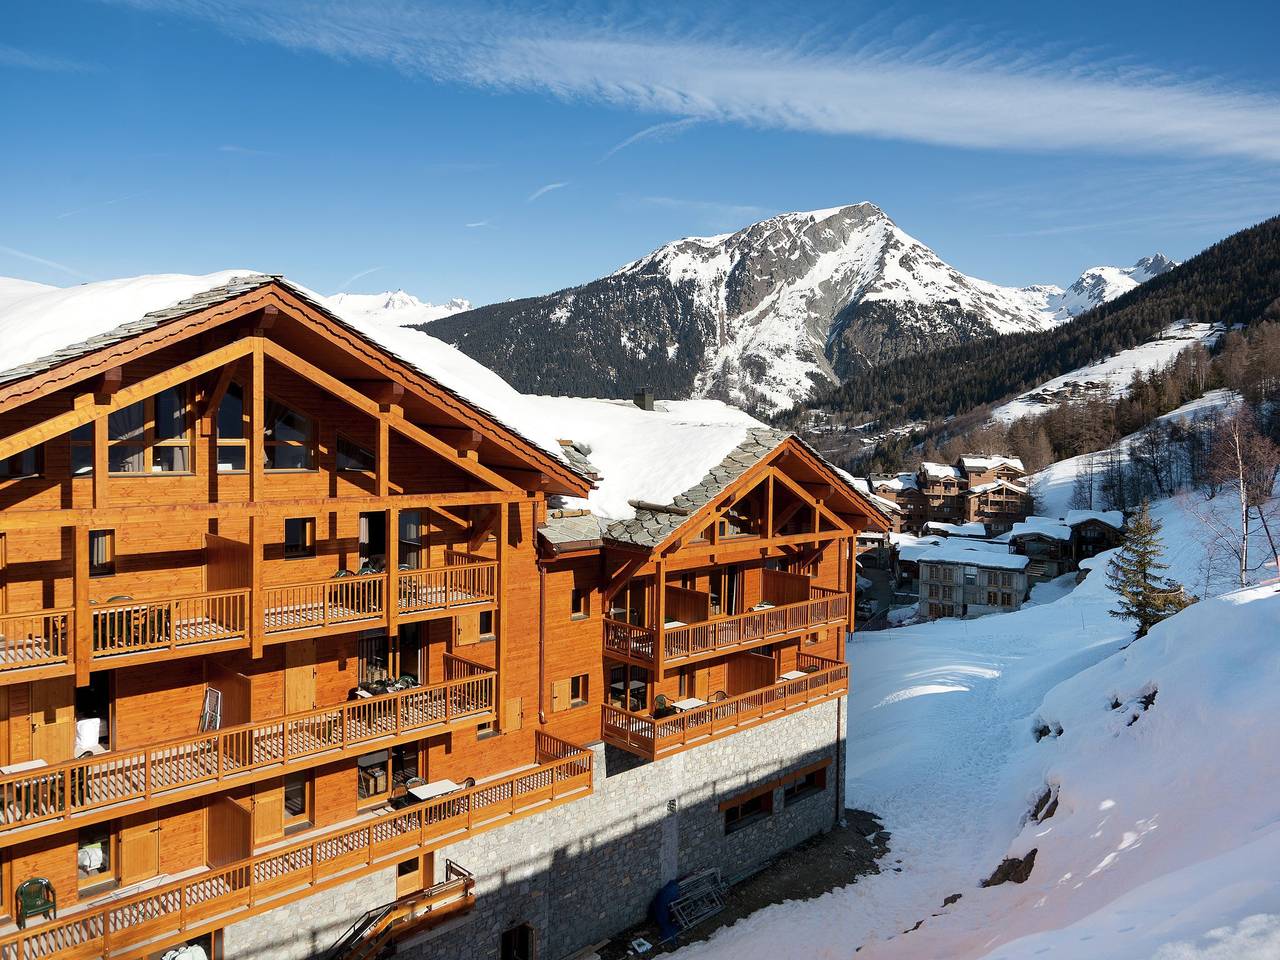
[(991, 491), (959, 579), (314, 632), (1056, 546)]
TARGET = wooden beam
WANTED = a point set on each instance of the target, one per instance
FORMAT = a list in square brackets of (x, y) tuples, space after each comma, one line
[(620, 580), (209, 409), (382, 392), (272, 509), (821, 491), (257, 421), (660, 621), (393, 574), (86, 409), (268, 317), (257, 611), (101, 462), (108, 382), (464, 439), (803, 494), (768, 510), (402, 426), (524, 479), (382, 459), (83, 639), (450, 516), (500, 618), (484, 527)]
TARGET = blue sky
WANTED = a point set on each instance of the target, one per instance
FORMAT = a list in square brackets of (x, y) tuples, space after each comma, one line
[(502, 150)]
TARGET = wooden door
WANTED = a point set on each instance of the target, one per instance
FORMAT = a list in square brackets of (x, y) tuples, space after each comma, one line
[(300, 676), (230, 831), (700, 677), (139, 848), (53, 719), (268, 810)]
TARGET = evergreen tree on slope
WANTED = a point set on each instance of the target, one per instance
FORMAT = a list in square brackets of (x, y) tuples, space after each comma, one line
[(1134, 574)]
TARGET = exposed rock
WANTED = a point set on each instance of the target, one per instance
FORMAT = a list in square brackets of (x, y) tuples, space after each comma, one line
[(952, 899), (1012, 870)]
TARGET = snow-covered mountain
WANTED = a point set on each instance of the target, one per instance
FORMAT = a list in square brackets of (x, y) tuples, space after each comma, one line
[(394, 307), (1097, 285), (760, 316)]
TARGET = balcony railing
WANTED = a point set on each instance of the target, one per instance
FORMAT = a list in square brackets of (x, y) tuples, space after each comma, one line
[(324, 603), (202, 762), (465, 579), (710, 636), (39, 639), (161, 915), (652, 738), (131, 626), (408, 916)]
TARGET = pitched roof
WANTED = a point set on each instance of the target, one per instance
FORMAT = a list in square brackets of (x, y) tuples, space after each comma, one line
[(73, 322), (1112, 518), (975, 464), (1040, 527), (955, 551)]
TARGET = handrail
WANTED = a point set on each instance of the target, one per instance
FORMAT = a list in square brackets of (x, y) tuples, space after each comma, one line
[(323, 603), (711, 635), (133, 626), (51, 792), (456, 584), (36, 639), (628, 639), (653, 737), (256, 883)]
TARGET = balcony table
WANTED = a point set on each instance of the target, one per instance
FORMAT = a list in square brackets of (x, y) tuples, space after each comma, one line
[(24, 766), (791, 675), (437, 788), (689, 703)]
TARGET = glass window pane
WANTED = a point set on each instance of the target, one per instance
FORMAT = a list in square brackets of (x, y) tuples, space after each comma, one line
[(230, 459), (170, 459), (127, 422), (171, 414), (286, 424), (127, 458), (354, 457), (231, 414), (81, 460), (288, 456), (295, 795), (84, 432)]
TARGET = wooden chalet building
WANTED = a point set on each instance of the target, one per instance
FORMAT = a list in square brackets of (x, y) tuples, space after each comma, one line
[(990, 490), (294, 624)]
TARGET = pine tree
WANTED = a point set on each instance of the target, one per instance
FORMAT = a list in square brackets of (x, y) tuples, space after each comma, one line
[(1135, 575)]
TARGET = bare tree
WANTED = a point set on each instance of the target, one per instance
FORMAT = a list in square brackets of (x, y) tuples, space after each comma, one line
[(1245, 462), (1083, 485)]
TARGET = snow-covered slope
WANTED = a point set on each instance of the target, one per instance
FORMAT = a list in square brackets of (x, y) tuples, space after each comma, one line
[(763, 315), (1110, 377), (1097, 285), (1165, 840), (394, 307)]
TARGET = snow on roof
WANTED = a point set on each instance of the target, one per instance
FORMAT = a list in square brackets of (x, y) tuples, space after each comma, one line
[(649, 455), (984, 487), (939, 469), (911, 548), (903, 481), (1042, 527), (863, 486), (953, 550), (971, 529), (1112, 518), (974, 464)]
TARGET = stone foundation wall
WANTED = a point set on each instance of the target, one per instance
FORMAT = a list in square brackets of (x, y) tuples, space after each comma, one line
[(584, 871)]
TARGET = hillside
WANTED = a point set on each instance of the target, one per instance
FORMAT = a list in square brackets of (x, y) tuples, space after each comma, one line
[(1164, 841), (764, 316), (1235, 281)]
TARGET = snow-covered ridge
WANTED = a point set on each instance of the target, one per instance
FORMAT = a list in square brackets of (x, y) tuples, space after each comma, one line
[(394, 307), (1110, 377)]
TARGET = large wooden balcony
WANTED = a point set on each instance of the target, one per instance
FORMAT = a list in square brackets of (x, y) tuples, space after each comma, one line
[(684, 642), (125, 630), (653, 737), (151, 920), (52, 798)]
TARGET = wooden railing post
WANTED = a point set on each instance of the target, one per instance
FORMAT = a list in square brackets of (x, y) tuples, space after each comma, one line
[(82, 618), (257, 605)]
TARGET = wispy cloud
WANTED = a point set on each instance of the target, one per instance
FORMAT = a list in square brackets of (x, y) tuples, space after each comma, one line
[(478, 223), (358, 276), (938, 88), (51, 264), (102, 203), (27, 60), (657, 133), (543, 190)]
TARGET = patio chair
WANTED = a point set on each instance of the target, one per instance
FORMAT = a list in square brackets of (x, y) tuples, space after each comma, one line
[(662, 706), (717, 697), (35, 898), (468, 783)]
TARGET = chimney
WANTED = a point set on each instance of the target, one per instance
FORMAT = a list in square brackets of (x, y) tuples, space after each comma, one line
[(643, 398)]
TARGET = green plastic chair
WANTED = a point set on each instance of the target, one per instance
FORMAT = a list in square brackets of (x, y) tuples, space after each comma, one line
[(36, 898)]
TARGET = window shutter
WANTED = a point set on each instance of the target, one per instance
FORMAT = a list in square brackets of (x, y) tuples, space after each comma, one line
[(560, 691)]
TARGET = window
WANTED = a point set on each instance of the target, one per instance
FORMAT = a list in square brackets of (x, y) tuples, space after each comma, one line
[(404, 763), (629, 688), (579, 603), (102, 553), (933, 591), (353, 457), (738, 521), (578, 690), (948, 575), (486, 730), (746, 812), (1006, 599), (410, 539), (233, 443), (1006, 579), (373, 777), (486, 624), (289, 439), (517, 943), (629, 603), (82, 450), (804, 785), (374, 650), (28, 463), (948, 593), (297, 800), (150, 436), (992, 598), (299, 537), (94, 858)]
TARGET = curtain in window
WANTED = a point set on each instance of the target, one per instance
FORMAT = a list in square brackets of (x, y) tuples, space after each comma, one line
[(410, 539), (127, 424), (99, 550)]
